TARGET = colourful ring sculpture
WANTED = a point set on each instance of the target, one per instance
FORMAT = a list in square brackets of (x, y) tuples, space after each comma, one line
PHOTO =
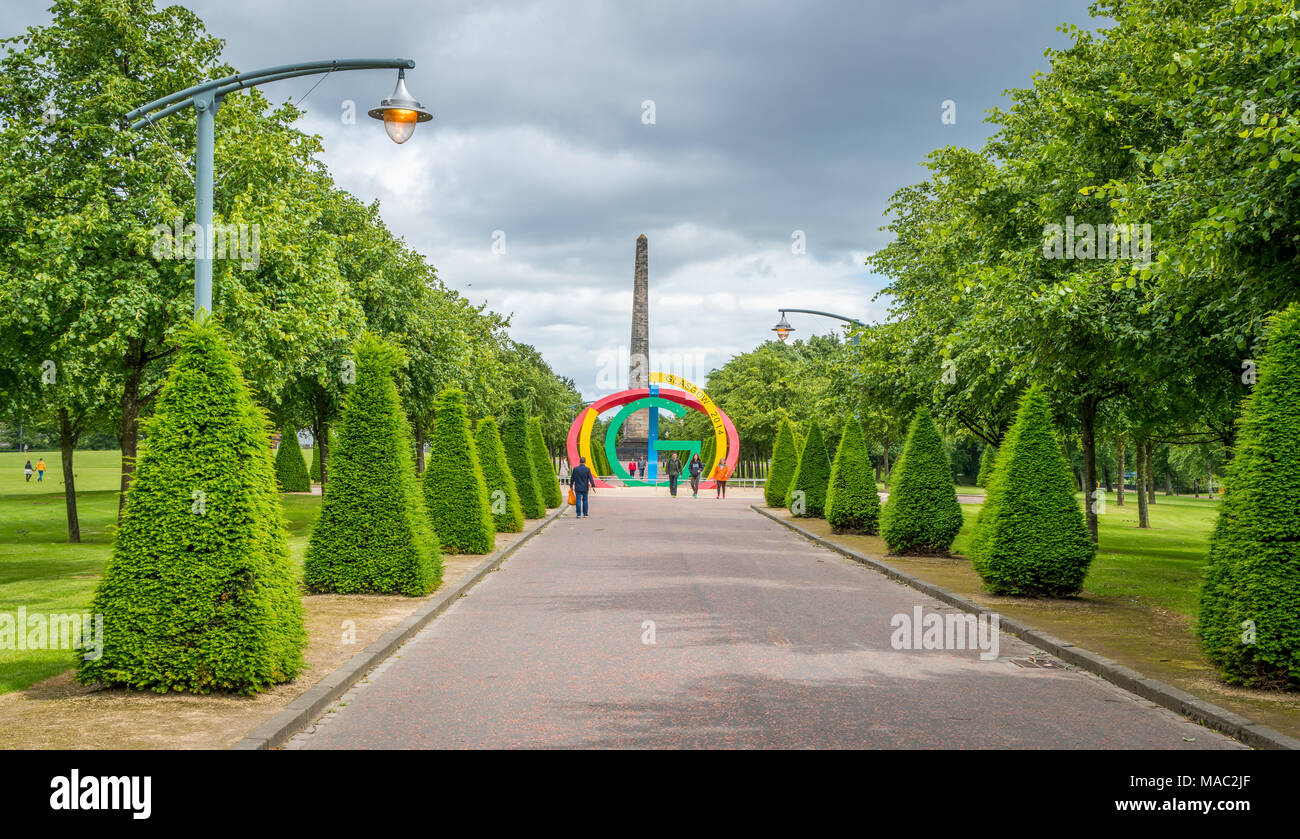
[(726, 440), (611, 433)]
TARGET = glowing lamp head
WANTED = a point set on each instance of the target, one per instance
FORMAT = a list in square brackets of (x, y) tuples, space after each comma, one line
[(400, 112), (783, 328)]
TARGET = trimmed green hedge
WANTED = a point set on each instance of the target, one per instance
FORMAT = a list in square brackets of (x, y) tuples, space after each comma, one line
[(373, 532), (497, 478), (514, 436), (987, 458), (455, 493), (785, 458), (290, 468), (548, 482), (1031, 538), (922, 515), (1252, 581), (200, 593), (852, 503), (812, 477)]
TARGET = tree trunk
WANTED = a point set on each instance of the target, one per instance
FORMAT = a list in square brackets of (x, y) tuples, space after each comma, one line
[(320, 431), (1088, 420), (67, 445), (129, 428), (419, 448), (1151, 476), (1119, 467), (1144, 519), (885, 446)]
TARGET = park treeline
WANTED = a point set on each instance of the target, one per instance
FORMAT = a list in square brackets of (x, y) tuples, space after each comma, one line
[(91, 309)]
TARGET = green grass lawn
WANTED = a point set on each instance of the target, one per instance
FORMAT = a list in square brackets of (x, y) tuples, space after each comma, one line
[(1160, 567), (41, 571)]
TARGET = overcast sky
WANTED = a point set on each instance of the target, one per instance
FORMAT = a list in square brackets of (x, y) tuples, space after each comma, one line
[(768, 118)]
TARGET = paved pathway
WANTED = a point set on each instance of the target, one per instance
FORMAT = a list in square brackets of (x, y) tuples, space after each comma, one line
[(760, 640)]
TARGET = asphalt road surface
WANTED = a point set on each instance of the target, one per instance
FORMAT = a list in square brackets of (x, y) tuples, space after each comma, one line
[(696, 623)]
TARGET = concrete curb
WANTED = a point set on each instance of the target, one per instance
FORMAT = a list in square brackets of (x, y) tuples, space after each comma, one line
[(312, 703), (1198, 710)]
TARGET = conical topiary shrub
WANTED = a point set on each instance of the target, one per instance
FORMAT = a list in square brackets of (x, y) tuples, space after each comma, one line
[(455, 492), (200, 594), (1031, 537), (1249, 623), (290, 468), (784, 460), (986, 466), (373, 532), (852, 504), (922, 514), (547, 481), (514, 437), (807, 493), (503, 495)]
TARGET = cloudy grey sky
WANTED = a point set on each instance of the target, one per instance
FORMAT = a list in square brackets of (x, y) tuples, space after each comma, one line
[(768, 118)]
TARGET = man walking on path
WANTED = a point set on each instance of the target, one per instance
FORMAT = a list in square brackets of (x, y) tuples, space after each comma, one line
[(696, 470), (674, 469), (641, 467), (721, 473), (581, 481)]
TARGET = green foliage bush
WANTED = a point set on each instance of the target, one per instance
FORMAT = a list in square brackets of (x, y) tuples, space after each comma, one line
[(497, 478), (373, 532), (455, 493), (200, 593), (987, 458), (514, 436), (598, 454), (921, 515), (852, 503), (1031, 538), (812, 477), (290, 468), (548, 482), (784, 461), (1252, 581)]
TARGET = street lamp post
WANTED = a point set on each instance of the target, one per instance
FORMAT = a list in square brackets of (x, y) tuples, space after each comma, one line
[(783, 327), (400, 113)]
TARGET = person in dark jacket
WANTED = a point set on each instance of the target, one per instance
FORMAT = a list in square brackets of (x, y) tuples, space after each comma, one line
[(674, 470), (581, 481), (695, 469)]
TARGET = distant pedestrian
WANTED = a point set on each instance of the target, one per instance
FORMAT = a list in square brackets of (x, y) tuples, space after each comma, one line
[(696, 469), (27, 470), (721, 473), (40, 469), (641, 467), (674, 470), (631, 467), (581, 481), (564, 471)]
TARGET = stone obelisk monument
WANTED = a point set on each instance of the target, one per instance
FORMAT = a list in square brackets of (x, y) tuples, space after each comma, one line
[(636, 430)]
